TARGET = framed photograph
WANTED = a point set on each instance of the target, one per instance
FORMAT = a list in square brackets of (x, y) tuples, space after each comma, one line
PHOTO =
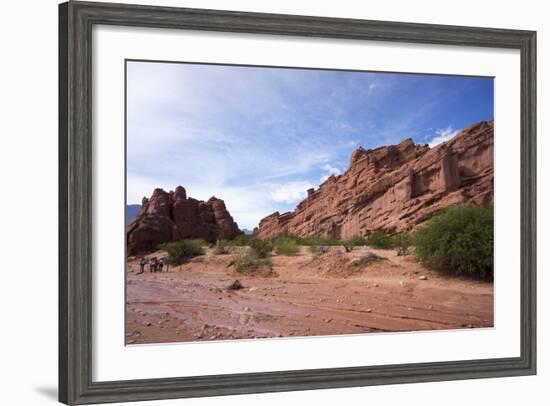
[(258, 202)]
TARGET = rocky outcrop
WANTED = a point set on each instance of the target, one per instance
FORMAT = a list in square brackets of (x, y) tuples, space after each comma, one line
[(171, 216), (394, 188)]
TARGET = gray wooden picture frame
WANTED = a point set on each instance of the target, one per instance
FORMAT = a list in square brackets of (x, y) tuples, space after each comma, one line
[(76, 20)]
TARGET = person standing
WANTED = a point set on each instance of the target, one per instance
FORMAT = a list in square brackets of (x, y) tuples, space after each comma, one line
[(142, 263), (161, 264), (153, 264)]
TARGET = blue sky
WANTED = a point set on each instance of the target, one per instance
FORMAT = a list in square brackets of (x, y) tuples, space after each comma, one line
[(260, 137)]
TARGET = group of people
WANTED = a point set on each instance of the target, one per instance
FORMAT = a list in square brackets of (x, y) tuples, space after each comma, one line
[(155, 265)]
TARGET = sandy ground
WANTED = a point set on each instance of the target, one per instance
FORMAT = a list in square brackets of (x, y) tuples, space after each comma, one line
[(309, 296)]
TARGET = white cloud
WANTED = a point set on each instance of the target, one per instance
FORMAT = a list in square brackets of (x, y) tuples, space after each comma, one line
[(257, 138), (442, 135), (291, 192), (329, 170)]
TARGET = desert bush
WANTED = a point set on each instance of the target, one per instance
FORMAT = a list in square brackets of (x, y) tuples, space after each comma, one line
[(286, 237), (380, 239), (250, 261), (458, 241), (241, 240), (180, 251), (317, 240), (353, 241), (356, 241), (262, 248), (402, 240), (286, 246), (312, 240)]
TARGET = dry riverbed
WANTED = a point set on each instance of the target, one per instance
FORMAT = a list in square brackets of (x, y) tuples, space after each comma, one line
[(336, 293)]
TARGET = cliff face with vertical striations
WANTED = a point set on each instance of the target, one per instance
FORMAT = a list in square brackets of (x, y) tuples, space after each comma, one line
[(394, 188), (171, 216)]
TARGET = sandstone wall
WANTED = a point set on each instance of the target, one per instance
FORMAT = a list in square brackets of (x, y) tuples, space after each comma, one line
[(394, 188), (171, 216)]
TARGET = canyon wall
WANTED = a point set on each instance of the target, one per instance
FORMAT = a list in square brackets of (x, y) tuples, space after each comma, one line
[(394, 188)]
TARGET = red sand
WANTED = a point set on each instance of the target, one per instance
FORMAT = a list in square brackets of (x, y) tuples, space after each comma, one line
[(324, 296)]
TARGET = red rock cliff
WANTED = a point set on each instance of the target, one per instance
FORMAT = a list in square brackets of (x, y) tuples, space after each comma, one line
[(394, 188), (173, 216)]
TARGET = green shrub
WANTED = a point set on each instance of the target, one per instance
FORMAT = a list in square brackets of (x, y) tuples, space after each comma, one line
[(380, 239), (286, 237), (286, 246), (402, 240), (311, 240), (250, 261), (355, 241), (241, 240), (307, 241), (458, 241), (317, 240), (180, 251), (262, 248)]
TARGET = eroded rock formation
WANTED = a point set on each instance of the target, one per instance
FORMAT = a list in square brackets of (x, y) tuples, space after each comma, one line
[(394, 188), (171, 216)]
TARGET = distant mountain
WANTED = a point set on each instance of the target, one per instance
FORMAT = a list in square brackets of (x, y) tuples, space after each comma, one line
[(132, 211), (246, 231)]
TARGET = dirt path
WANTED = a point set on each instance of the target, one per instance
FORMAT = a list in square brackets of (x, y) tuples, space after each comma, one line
[(308, 297)]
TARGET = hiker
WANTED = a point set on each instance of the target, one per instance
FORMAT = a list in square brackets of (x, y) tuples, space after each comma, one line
[(161, 264), (142, 263), (153, 264)]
